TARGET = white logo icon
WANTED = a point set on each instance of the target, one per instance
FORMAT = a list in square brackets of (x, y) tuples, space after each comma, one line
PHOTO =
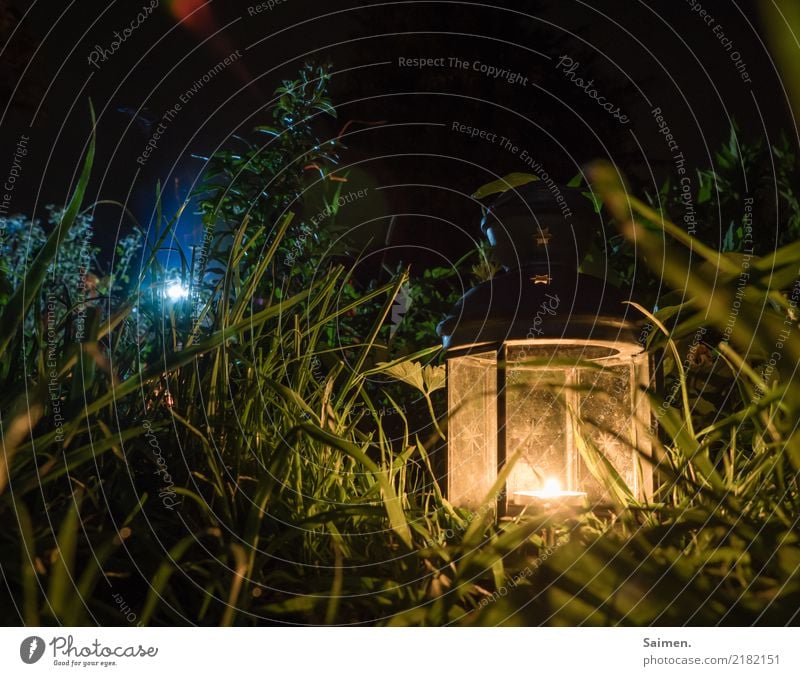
[(31, 649)]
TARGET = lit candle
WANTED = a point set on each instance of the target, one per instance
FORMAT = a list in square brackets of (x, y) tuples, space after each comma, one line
[(550, 494)]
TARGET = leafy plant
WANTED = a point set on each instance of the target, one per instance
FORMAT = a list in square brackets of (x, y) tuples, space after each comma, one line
[(265, 180), (245, 455)]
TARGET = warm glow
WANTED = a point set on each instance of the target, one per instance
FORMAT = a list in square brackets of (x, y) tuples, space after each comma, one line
[(551, 493), (540, 422), (552, 487)]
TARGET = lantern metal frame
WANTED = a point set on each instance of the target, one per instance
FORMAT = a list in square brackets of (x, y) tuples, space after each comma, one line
[(495, 316)]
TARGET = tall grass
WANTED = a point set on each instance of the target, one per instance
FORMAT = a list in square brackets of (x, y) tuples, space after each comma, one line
[(234, 468), (721, 544), (227, 477)]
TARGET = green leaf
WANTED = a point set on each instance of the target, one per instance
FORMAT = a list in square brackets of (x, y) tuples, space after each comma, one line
[(426, 379), (394, 509), (30, 584), (162, 575), (594, 198), (408, 372), (501, 185), (62, 584), (706, 186), (576, 181)]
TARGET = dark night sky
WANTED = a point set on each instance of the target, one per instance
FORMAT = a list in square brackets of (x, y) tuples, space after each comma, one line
[(641, 55)]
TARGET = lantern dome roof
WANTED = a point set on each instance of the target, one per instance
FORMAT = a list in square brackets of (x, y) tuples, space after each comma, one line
[(539, 302), (541, 223)]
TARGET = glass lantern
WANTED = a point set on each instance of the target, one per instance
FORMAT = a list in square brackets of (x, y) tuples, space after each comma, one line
[(545, 369)]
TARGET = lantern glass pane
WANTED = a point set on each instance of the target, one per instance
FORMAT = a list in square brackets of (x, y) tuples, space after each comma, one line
[(535, 428), (472, 428), (607, 427), (570, 413)]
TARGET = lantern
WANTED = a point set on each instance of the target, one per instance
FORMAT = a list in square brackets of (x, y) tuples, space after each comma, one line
[(545, 367)]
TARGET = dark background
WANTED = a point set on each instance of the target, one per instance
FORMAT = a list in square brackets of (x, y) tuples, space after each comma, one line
[(640, 55)]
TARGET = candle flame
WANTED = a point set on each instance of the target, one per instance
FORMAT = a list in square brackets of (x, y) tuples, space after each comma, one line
[(550, 493), (552, 487)]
